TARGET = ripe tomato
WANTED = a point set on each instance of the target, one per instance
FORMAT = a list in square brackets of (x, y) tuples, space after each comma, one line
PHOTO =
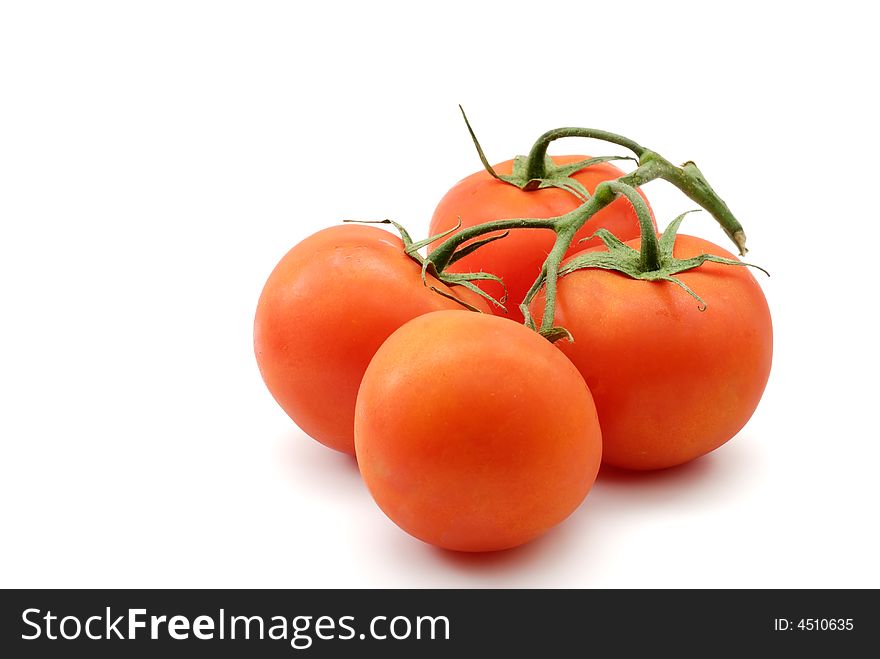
[(474, 433), (670, 382), (327, 307), (518, 257)]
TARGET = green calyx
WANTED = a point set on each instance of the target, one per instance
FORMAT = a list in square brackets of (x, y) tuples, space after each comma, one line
[(662, 266), (537, 171), (465, 279)]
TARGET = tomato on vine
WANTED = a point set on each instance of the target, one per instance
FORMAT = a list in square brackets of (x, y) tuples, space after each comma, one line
[(676, 347), (326, 308), (474, 433)]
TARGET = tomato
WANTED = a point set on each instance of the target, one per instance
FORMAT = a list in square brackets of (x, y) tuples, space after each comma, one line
[(670, 382), (326, 308), (518, 257), (474, 433)]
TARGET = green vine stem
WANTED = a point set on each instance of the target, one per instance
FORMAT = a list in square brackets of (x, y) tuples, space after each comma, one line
[(653, 261), (443, 254), (690, 180), (536, 170), (565, 226), (650, 247), (536, 160), (606, 192)]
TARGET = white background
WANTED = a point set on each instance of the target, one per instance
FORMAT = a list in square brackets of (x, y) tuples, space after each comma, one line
[(158, 158)]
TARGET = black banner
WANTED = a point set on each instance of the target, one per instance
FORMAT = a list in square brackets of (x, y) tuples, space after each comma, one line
[(431, 623)]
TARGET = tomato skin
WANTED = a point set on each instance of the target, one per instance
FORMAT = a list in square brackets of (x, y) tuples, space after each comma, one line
[(473, 433), (670, 382), (326, 308), (518, 257)]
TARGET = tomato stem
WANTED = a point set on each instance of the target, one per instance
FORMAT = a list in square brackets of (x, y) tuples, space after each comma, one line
[(551, 274), (650, 247), (690, 180), (442, 255), (536, 167), (565, 226), (536, 171)]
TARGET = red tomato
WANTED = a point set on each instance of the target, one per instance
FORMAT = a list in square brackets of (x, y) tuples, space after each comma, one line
[(518, 258), (325, 310), (670, 382), (474, 433)]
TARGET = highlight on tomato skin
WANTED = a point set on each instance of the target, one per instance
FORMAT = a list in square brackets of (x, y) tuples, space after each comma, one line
[(474, 433), (517, 258), (670, 382), (324, 311)]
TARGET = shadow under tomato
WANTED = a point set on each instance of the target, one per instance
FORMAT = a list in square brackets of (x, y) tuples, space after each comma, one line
[(717, 475), (311, 464), (574, 536), (498, 560), (690, 472)]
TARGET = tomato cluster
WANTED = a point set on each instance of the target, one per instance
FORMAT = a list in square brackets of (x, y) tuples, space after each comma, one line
[(471, 429), (325, 310)]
